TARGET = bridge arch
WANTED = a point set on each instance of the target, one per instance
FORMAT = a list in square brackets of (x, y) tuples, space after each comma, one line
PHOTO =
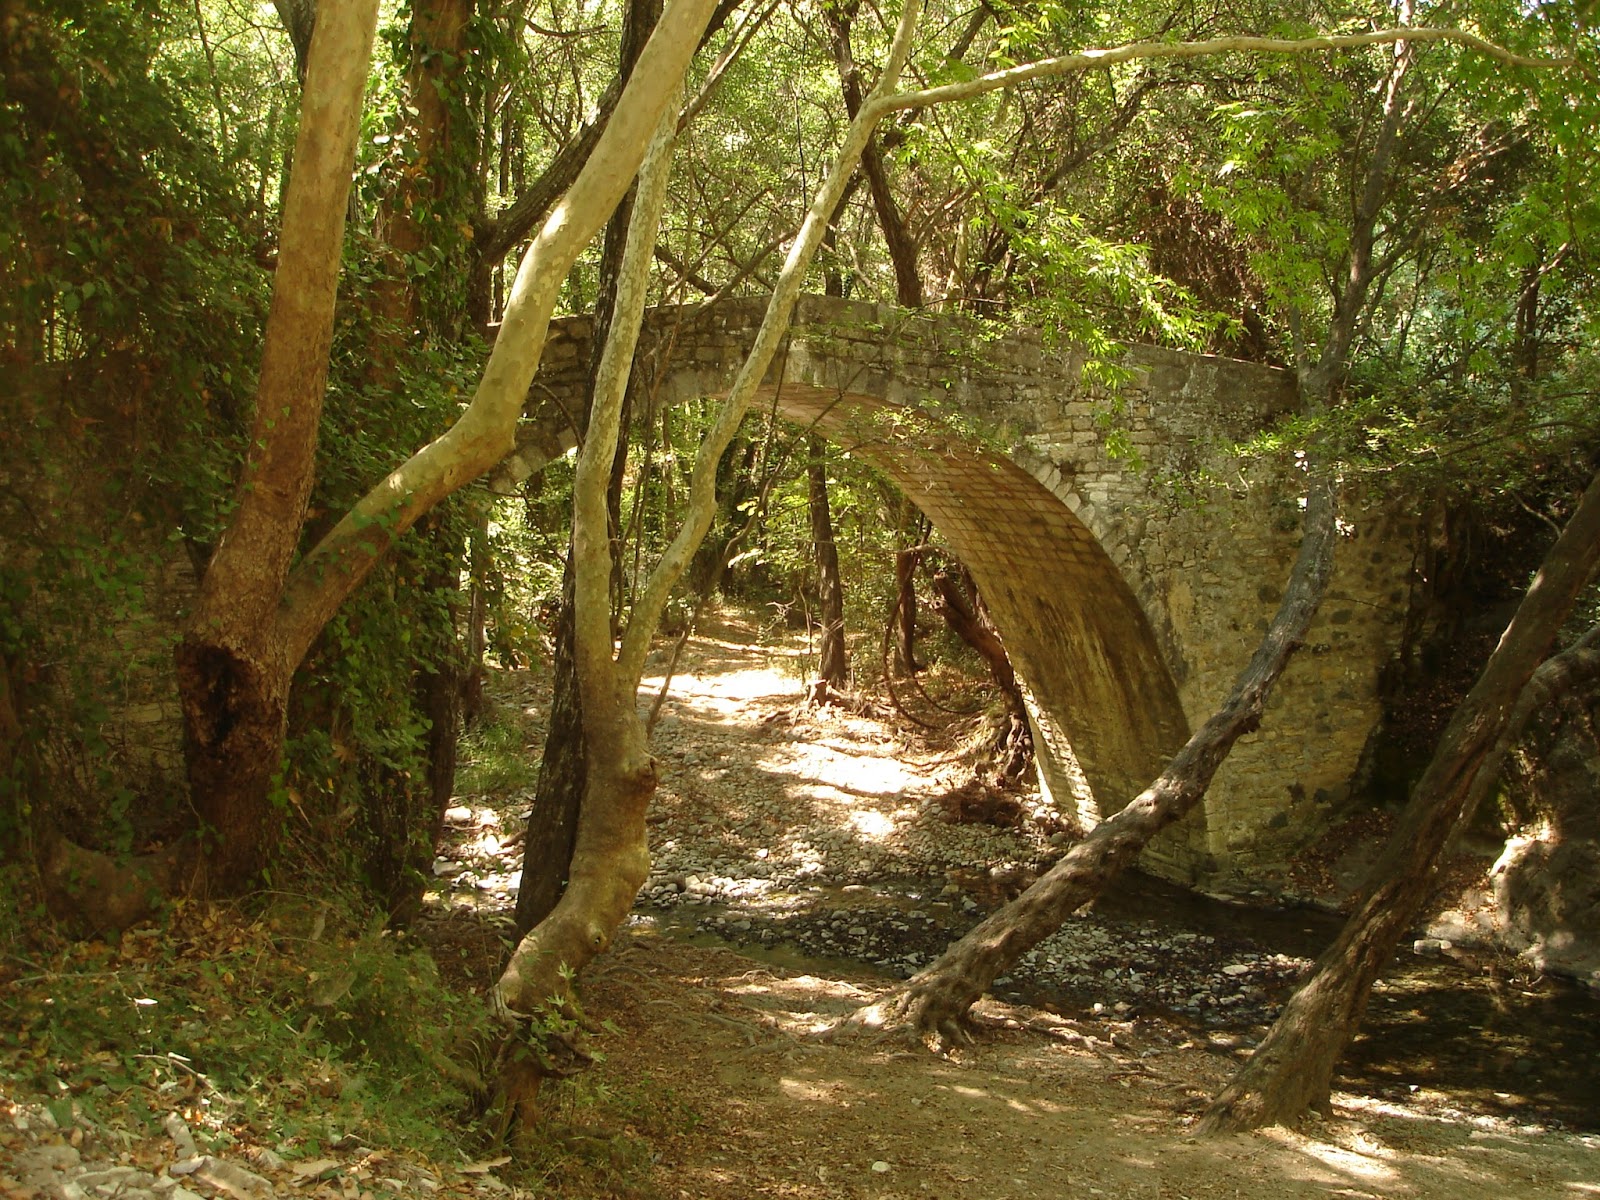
[(1102, 697), (1128, 607)]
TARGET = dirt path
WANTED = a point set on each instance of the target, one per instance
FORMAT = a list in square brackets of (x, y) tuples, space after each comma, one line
[(719, 1083)]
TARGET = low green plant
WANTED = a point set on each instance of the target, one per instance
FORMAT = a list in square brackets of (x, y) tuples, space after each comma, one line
[(499, 755), (288, 1030)]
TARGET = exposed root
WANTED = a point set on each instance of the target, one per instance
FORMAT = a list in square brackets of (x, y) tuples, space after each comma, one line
[(532, 1050), (913, 1015), (822, 694)]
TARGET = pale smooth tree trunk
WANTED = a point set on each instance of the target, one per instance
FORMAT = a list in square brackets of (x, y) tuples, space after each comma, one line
[(1292, 1070), (611, 858), (558, 795), (234, 664), (256, 619)]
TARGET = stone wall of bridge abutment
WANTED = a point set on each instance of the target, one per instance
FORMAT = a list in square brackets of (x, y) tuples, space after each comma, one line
[(1131, 588)]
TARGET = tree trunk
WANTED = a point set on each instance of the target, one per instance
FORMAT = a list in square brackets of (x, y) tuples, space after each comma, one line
[(609, 864), (1014, 746), (896, 237), (477, 620), (434, 198), (563, 774), (553, 820), (833, 670), (440, 693), (736, 483), (904, 618), (1292, 1070), (255, 619), (936, 1001), (15, 778), (233, 664), (610, 857), (431, 201)]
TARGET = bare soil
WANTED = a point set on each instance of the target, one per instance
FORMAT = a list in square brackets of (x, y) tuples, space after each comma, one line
[(720, 1075), (717, 1078)]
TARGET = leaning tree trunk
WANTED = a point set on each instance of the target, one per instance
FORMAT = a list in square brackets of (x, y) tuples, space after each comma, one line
[(256, 618), (610, 856), (563, 773), (611, 859), (833, 670), (936, 1000), (1292, 1070)]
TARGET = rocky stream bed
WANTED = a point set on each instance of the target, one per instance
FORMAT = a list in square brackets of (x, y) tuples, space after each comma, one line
[(816, 839)]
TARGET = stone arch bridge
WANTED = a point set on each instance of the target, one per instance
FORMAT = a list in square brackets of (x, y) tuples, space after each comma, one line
[(1130, 588)]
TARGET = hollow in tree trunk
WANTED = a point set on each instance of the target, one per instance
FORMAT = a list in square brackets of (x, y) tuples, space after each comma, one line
[(1292, 1070), (256, 618), (935, 1003), (235, 661)]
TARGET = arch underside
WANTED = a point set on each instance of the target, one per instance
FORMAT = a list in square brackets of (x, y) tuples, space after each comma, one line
[(1071, 623)]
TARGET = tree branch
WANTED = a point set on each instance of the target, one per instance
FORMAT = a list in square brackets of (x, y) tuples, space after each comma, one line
[(485, 432), (1085, 60), (702, 488)]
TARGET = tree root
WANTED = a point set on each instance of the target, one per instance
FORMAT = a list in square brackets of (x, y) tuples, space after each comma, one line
[(920, 1016), (530, 1051)]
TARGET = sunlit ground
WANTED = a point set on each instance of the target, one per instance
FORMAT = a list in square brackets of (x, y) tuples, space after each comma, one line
[(842, 774)]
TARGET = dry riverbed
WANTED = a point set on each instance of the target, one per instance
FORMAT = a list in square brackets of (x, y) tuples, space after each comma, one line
[(803, 863)]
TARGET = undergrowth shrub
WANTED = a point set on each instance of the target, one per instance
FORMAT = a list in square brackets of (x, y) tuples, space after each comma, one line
[(294, 1029)]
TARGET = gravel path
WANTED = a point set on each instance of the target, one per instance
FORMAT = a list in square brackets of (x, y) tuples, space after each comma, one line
[(823, 834)]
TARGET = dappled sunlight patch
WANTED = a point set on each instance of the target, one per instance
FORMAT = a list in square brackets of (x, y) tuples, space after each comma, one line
[(994, 1096), (1327, 1163), (872, 825), (801, 1005), (809, 1091), (843, 776), (801, 986), (723, 694)]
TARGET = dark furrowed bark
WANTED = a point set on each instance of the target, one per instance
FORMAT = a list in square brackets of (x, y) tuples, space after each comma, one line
[(553, 820), (1013, 749), (833, 669)]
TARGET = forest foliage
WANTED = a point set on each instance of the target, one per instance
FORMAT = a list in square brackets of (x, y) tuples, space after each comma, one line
[(1208, 203)]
